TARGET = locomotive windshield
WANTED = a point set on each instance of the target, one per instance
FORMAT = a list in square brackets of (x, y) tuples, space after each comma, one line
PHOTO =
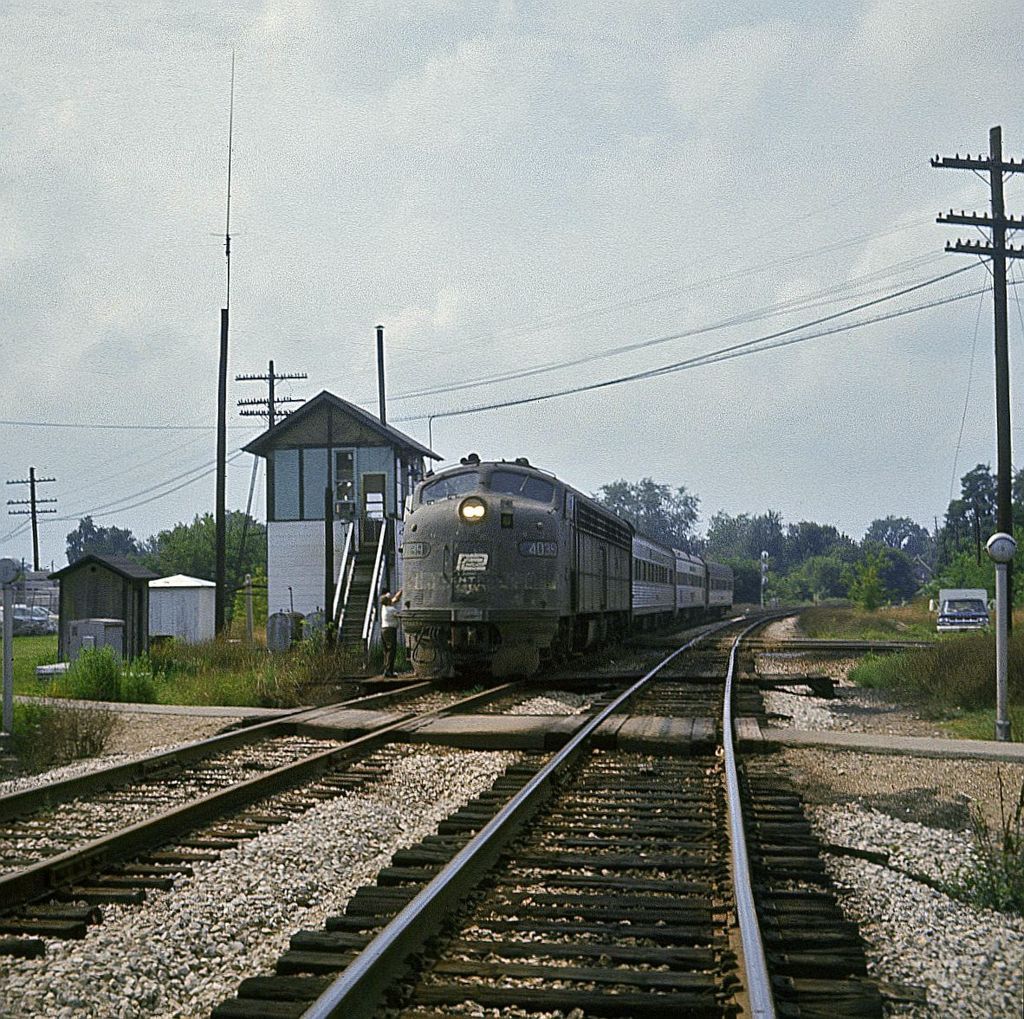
[(526, 486), (449, 487)]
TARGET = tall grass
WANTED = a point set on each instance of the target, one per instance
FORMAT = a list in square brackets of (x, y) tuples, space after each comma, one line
[(892, 622), (217, 672), (957, 673)]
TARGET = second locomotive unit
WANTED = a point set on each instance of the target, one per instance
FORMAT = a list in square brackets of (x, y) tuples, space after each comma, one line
[(503, 562)]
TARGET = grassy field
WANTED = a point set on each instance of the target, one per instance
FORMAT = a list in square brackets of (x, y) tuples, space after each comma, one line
[(28, 653), (953, 680), (844, 622)]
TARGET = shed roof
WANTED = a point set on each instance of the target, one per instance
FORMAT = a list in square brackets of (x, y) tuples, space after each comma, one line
[(126, 568), (291, 426), (180, 580)]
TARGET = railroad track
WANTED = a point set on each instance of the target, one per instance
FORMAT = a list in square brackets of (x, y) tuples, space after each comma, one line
[(109, 836), (596, 883)]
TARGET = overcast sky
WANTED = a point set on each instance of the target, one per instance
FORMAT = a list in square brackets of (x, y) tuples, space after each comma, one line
[(504, 186)]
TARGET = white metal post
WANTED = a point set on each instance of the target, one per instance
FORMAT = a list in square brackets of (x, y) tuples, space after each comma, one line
[(8, 658), (1002, 652), (248, 608), (1001, 548)]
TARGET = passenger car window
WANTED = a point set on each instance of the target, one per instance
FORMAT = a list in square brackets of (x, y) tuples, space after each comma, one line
[(447, 488), (526, 485)]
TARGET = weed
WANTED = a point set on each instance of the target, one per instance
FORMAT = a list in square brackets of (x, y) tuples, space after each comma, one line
[(47, 734), (994, 878)]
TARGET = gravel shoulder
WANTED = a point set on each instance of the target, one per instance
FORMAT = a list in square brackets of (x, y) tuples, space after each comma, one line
[(966, 961)]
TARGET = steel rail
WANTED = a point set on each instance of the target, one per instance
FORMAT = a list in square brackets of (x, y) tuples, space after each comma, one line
[(26, 801), (757, 979), (44, 876), (357, 992)]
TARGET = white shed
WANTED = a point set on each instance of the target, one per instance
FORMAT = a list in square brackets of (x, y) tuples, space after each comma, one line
[(182, 607)]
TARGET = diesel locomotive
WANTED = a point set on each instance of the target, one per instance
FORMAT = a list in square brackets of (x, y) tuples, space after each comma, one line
[(503, 563)]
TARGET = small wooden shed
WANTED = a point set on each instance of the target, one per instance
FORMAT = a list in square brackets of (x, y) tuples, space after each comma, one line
[(105, 587), (182, 607)]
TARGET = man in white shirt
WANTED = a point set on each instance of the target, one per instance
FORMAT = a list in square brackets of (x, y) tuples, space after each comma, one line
[(389, 628)]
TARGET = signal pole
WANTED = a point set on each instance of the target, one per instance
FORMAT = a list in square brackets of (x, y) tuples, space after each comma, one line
[(33, 502), (267, 406), (998, 222)]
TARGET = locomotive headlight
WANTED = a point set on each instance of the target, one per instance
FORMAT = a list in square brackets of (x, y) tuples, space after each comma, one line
[(473, 510)]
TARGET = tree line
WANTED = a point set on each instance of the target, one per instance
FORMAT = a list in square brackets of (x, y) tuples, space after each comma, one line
[(896, 558), (188, 548)]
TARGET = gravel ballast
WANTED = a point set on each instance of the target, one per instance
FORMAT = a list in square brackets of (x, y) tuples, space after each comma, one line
[(185, 950), (964, 960), (967, 961)]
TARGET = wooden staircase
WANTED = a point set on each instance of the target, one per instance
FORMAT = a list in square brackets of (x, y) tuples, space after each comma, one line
[(351, 634)]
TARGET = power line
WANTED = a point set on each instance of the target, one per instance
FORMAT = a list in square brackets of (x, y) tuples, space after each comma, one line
[(552, 321), (770, 311), (967, 395), (724, 353), (114, 427), (177, 488), (714, 356), (146, 491)]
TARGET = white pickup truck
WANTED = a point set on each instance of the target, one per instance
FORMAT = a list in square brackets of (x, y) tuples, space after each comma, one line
[(962, 608)]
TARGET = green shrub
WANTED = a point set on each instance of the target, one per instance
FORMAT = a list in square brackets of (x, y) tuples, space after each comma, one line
[(95, 675), (137, 685), (994, 879), (47, 734)]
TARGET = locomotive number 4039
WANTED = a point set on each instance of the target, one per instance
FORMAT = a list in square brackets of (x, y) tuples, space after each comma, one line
[(547, 549)]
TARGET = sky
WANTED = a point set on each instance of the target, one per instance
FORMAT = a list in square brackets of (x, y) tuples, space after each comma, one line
[(509, 188)]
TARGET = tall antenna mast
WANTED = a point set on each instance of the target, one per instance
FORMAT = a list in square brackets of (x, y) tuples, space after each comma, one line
[(220, 515), (227, 223)]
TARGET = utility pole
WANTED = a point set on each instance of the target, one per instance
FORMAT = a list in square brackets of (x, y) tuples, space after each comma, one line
[(998, 222), (33, 502), (220, 514), (267, 406), (380, 375)]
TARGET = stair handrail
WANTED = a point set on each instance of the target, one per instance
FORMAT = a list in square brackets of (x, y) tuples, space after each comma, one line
[(371, 602), (345, 574)]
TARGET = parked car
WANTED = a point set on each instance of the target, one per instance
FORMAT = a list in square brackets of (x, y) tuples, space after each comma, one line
[(32, 621)]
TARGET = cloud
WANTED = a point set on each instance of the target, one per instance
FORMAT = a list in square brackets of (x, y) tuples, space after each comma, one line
[(727, 76)]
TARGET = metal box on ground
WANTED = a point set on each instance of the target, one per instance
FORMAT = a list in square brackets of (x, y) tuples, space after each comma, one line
[(89, 633)]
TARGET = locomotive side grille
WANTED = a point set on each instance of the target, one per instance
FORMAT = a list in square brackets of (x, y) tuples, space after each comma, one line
[(602, 525)]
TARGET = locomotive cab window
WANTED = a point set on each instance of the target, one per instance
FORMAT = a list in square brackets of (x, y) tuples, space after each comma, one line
[(526, 486), (450, 487)]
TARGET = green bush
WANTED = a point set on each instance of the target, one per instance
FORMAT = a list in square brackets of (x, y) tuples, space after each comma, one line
[(47, 734), (95, 675)]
